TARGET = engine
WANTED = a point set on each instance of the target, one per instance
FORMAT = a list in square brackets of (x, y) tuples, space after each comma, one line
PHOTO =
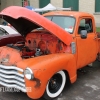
[(40, 43)]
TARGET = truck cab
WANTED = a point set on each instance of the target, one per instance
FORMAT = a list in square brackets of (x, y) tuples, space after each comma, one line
[(82, 28)]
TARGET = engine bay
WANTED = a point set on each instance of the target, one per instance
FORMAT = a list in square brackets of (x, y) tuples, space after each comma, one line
[(40, 43)]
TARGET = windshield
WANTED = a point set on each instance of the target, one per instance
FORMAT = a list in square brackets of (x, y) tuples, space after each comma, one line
[(66, 22)]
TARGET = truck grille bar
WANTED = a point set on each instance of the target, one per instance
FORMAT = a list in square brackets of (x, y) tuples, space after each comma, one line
[(12, 77)]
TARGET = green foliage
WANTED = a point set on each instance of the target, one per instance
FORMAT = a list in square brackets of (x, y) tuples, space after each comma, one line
[(97, 29)]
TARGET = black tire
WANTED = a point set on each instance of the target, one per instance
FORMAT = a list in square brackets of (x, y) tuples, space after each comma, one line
[(98, 57), (55, 85)]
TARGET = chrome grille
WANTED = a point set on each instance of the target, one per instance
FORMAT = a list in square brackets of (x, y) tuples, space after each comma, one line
[(12, 77)]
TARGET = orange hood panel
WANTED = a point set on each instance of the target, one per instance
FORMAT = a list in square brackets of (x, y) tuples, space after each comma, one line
[(25, 20)]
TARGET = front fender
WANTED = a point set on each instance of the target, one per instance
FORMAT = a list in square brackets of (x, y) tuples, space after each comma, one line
[(45, 67)]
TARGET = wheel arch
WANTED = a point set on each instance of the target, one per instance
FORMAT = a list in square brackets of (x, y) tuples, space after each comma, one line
[(68, 81), (48, 66)]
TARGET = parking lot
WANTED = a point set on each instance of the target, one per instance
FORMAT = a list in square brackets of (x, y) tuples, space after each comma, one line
[(87, 87)]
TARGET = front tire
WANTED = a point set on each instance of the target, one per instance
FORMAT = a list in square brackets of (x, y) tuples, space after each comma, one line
[(55, 85)]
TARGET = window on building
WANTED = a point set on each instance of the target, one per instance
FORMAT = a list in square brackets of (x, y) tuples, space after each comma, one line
[(74, 4), (25, 3), (97, 5), (43, 3), (86, 24)]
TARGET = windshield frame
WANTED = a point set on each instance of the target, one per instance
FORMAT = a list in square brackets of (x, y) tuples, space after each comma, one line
[(62, 16)]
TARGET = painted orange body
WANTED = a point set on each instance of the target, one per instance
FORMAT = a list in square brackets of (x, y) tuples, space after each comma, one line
[(55, 44)]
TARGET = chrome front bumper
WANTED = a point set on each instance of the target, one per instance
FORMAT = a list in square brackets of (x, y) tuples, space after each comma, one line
[(12, 77)]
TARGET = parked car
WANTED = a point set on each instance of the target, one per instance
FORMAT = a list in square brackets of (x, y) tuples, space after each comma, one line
[(8, 35)]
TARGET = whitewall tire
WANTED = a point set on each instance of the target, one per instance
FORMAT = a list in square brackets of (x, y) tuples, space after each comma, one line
[(55, 85)]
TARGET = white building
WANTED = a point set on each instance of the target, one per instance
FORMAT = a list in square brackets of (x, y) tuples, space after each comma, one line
[(90, 6)]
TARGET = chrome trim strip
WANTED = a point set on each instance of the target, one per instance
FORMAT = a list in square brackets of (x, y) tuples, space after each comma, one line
[(11, 67), (12, 81), (11, 72), (12, 76)]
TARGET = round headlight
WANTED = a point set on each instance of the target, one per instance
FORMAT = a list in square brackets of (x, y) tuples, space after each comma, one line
[(28, 74)]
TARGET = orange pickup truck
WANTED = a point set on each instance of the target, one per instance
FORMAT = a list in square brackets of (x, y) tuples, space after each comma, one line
[(57, 44)]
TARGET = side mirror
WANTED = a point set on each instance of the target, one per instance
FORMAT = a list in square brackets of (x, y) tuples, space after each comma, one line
[(83, 34)]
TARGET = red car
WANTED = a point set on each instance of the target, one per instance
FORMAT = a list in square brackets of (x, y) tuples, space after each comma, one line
[(9, 35)]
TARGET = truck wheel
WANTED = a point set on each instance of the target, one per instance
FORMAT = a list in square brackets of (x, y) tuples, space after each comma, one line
[(55, 85), (98, 57)]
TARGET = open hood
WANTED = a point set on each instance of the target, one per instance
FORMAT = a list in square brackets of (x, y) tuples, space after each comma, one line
[(25, 20)]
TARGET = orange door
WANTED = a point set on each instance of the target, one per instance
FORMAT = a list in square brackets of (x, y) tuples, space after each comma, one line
[(86, 48)]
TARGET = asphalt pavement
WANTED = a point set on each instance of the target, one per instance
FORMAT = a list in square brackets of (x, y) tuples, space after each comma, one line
[(87, 87)]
